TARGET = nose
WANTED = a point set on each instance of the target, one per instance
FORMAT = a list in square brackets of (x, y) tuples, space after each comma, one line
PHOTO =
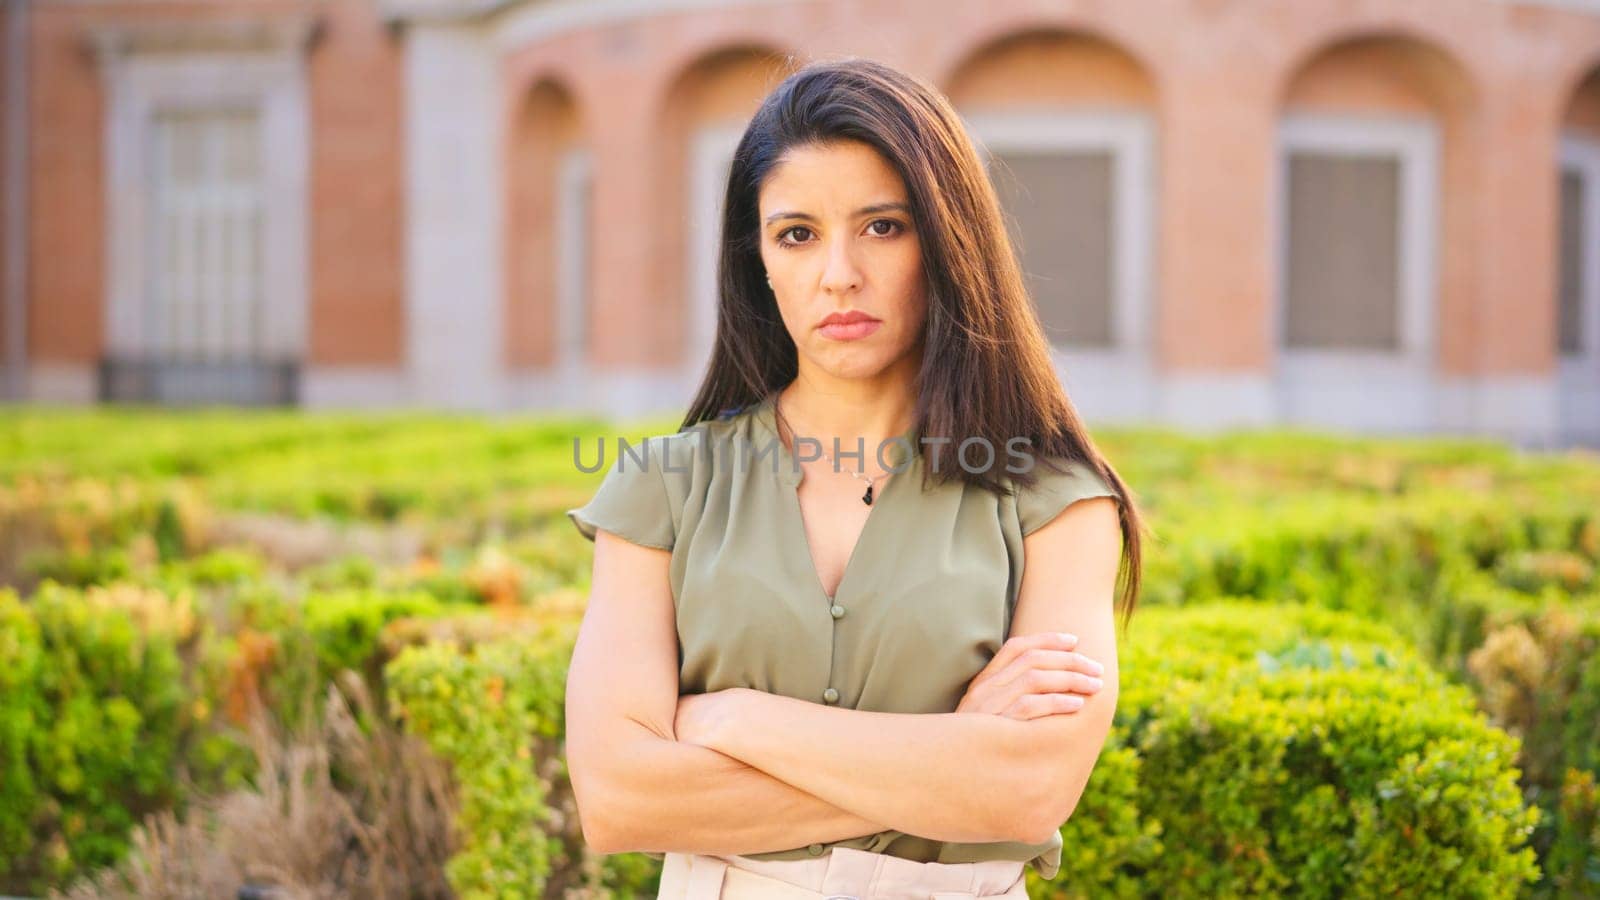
[(840, 273)]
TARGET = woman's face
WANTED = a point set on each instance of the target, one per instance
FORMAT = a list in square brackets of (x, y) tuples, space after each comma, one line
[(837, 237)]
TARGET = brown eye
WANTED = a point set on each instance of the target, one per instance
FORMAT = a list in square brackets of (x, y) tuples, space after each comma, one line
[(890, 222)]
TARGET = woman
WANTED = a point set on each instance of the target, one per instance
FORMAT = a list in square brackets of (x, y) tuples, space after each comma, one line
[(820, 669)]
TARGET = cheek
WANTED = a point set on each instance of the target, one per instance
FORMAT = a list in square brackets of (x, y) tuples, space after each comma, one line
[(914, 317), (908, 260), (793, 318), (913, 288)]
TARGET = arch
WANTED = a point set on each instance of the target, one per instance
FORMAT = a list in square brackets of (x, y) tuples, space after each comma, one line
[(1580, 113), (705, 107), (1060, 65), (1380, 69), (1010, 36)]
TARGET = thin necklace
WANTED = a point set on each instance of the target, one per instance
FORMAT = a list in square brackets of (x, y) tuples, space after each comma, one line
[(871, 482)]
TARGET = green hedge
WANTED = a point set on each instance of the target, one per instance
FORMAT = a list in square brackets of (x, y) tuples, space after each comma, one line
[(488, 695), (484, 710), (92, 711), (1446, 571), (1484, 557), (113, 699), (1293, 751), (1257, 749)]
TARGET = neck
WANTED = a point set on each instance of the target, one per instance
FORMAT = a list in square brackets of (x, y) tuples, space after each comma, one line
[(871, 410)]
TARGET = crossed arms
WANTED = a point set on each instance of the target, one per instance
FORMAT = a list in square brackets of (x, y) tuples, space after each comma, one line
[(794, 772)]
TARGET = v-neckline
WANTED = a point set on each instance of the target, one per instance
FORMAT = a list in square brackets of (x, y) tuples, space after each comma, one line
[(790, 476)]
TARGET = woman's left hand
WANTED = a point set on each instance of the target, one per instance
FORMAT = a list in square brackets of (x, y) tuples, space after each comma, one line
[(701, 718)]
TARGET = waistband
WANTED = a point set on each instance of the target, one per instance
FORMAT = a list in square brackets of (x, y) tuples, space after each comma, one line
[(843, 874)]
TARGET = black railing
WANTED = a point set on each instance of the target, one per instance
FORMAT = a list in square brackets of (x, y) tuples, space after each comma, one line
[(186, 382)]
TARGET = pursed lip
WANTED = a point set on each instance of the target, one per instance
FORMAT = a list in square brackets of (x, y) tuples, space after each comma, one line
[(846, 318)]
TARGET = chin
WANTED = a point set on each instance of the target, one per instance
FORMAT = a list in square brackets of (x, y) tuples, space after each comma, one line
[(853, 362)]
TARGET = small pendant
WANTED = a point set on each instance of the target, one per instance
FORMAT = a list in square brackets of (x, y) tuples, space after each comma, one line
[(867, 497)]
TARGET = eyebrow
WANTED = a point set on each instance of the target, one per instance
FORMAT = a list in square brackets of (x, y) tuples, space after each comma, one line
[(865, 210)]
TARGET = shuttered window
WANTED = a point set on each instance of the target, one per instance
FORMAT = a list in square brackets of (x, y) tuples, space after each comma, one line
[(1569, 333), (1059, 211), (1343, 253)]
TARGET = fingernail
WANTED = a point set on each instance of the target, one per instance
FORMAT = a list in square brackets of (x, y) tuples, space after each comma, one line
[(1097, 667), (1096, 683)]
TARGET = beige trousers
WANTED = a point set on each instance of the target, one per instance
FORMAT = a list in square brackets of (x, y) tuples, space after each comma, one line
[(840, 874)]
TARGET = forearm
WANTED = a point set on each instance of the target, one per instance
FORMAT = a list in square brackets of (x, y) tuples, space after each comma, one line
[(943, 776), (686, 798)]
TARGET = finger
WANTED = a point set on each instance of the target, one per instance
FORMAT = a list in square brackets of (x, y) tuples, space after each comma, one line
[(1057, 681), (1066, 703), (1052, 684), (1022, 643), (1045, 658), (1033, 706)]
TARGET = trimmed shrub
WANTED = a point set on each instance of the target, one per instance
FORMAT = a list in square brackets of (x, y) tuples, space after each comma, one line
[(1294, 751), (93, 715)]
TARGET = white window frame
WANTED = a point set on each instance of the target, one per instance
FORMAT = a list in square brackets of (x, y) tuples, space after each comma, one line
[(1354, 388), (711, 154), (259, 65), (1580, 373), (1115, 382)]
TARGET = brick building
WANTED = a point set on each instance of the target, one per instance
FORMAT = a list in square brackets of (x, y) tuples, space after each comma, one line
[(1379, 215)]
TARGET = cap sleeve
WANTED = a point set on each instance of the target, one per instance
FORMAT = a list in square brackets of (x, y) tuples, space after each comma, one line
[(1054, 491), (632, 503)]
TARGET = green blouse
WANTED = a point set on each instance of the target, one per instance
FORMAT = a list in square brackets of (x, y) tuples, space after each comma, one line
[(924, 603)]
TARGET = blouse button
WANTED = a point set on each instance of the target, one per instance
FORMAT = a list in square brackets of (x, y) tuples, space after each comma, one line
[(830, 695), (837, 610), (815, 849)]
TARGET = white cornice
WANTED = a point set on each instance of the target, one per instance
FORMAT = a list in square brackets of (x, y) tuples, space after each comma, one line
[(516, 23), (1581, 6), (286, 35), (441, 11)]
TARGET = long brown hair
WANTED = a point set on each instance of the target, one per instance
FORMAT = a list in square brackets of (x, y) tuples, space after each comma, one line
[(986, 367)]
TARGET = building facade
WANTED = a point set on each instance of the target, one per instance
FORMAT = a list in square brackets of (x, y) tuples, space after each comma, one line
[(1381, 216)]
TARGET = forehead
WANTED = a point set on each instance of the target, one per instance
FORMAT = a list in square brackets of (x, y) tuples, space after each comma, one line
[(843, 171)]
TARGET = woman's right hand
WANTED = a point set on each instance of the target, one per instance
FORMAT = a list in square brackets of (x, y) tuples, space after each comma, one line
[(1033, 675)]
